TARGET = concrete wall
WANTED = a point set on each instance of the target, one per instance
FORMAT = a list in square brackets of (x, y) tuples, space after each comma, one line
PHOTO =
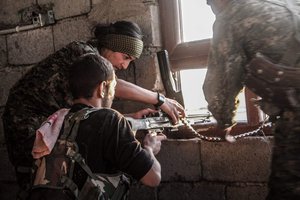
[(191, 169), (194, 169)]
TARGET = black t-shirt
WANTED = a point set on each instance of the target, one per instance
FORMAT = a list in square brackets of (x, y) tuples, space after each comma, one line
[(108, 146)]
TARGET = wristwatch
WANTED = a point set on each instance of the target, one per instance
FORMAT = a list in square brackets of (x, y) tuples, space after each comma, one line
[(160, 100)]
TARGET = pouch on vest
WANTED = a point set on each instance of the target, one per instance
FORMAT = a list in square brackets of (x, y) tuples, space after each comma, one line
[(56, 169), (274, 83)]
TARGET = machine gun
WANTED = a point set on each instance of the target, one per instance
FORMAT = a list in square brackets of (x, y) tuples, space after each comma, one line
[(162, 122)]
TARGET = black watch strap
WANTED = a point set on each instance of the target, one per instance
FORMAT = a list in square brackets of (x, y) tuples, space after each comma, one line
[(160, 100)]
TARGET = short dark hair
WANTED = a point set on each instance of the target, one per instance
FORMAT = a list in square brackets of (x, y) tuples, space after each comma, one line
[(120, 28), (87, 73)]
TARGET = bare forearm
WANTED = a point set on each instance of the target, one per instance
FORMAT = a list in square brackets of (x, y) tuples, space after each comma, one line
[(130, 91), (153, 176)]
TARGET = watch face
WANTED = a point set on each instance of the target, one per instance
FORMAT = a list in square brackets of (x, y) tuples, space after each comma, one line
[(161, 99)]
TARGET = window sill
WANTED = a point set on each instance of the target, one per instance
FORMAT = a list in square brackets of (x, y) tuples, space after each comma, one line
[(211, 130)]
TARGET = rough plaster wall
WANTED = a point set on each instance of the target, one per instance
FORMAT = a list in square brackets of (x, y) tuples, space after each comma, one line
[(9, 11)]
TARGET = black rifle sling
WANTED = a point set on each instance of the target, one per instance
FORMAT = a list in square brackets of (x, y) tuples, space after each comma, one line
[(70, 133), (71, 124)]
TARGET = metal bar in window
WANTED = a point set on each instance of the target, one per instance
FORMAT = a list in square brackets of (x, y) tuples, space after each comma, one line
[(170, 24), (253, 115)]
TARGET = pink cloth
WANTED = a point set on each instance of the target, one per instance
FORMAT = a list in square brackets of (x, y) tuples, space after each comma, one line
[(47, 134)]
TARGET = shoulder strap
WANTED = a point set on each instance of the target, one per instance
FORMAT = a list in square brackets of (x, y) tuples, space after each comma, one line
[(70, 132), (72, 121)]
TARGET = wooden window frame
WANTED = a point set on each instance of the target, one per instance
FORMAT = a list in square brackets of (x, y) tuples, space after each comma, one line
[(191, 55)]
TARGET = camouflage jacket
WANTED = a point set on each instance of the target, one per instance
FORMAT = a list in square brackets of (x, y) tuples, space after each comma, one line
[(40, 92), (242, 29)]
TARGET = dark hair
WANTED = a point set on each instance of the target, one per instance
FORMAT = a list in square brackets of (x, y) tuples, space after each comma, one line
[(87, 72), (120, 28)]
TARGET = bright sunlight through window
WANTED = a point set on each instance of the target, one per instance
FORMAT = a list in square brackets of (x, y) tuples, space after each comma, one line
[(197, 19)]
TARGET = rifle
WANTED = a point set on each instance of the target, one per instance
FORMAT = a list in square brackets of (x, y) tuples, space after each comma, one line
[(163, 122)]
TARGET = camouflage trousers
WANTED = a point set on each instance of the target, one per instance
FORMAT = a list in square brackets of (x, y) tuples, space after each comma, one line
[(284, 181), (19, 136)]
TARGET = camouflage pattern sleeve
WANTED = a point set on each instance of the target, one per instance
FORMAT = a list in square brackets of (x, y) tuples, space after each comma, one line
[(39, 93), (241, 30), (223, 79)]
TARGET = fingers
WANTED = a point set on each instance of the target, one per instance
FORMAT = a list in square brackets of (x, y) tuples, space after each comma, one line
[(155, 137), (228, 137), (153, 141), (161, 136), (179, 108), (176, 109), (175, 115), (158, 135), (150, 111), (144, 112)]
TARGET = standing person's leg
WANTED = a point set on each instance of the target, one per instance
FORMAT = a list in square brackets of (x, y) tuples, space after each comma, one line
[(284, 181)]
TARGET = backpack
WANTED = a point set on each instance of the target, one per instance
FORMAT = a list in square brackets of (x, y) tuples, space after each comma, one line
[(55, 170)]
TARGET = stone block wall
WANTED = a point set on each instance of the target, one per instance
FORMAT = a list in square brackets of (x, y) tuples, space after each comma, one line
[(194, 169), (191, 169)]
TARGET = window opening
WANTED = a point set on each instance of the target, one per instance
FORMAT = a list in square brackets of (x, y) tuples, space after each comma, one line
[(197, 20), (193, 97)]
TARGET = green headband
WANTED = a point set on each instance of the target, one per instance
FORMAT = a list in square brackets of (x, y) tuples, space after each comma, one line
[(123, 44)]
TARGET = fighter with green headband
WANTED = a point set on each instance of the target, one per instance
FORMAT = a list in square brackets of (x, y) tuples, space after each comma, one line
[(124, 44), (121, 43)]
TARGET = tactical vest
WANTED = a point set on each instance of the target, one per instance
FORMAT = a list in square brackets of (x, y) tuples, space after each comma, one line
[(56, 169), (276, 83)]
